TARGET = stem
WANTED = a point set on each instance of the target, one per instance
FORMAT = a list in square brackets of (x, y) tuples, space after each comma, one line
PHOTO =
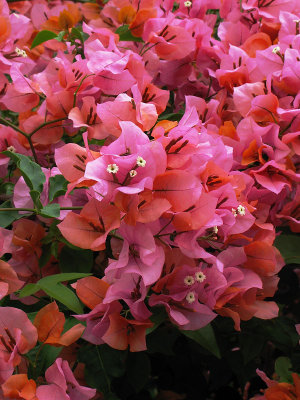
[(32, 149), (76, 91), (18, 209), (104, 371), (71, 208), (43, 125), (16, 128)]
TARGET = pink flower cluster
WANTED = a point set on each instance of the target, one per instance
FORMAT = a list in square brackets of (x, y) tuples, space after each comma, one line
[(181, 211)]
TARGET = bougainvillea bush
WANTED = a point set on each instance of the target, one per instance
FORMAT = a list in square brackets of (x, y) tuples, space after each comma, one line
[(149, 186)]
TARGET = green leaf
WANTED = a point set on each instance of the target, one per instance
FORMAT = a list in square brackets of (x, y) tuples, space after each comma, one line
[(8, 217), (32, 174), (35, 195), (138, 370), (57, 278), (43, 36), (162, 340), (60, 36), (283, 367), (41, 358), (63, 294), (206, 338), (158, 317), (50, 211), (79, 34), (71, 260), (95, 373), (53, 287), (126, 35), (288, 245), (28, 290), (251, 346), (57, 187), (46, 254)]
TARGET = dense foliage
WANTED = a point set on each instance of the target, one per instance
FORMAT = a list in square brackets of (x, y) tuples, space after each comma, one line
[(149, 186)]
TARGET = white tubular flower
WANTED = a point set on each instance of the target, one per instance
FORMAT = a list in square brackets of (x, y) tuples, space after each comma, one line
[(20, 52), (276, 50), (112, 168), (233, 210), (188, 3), (215, 229), (190, 297), (140, 161), (200, 276), (241, 210), (11, 148), (189, 280), (133, 173)]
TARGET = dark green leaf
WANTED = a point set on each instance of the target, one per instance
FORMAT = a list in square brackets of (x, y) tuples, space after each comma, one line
[(288, 245), (126, 35), (8, 217), (251, 346), (79, 34), (46, 254), (206, 338), (64, 295), (54, 279), (28, 290), (159, 315), (71, 260), (60, 36), (57, 187), (162, 340), (95, 372), (32, 174), (41, 357), (50, 211), (283, 367), (138, 370), (43, 36)]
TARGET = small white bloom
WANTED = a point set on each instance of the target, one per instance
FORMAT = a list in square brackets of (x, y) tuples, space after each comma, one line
[(140, 161), (189, 280), (11, 148), (215, 229), (188, 3), (276, 50), (190, 297), (133, 173), (112, 168), (297, 21), (241, 210), (233, 210), (200, 276), (20, 52)]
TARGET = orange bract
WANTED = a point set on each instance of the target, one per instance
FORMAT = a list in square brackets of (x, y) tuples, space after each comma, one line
[(91, 290), (50, 324)]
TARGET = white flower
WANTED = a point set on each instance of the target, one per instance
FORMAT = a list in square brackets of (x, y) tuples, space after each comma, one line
[(20, 52), (140, 161), (112, 168), (11, 148), (233, 210), (190, 297), (132, 173), (215, 229), (241, 210), (188, 3), (200, 276), (276, 50), (189, 280)]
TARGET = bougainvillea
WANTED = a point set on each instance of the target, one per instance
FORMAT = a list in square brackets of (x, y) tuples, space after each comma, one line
[(150, 154)]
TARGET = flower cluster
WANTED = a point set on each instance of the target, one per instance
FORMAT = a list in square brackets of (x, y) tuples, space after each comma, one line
[(172, 132)]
